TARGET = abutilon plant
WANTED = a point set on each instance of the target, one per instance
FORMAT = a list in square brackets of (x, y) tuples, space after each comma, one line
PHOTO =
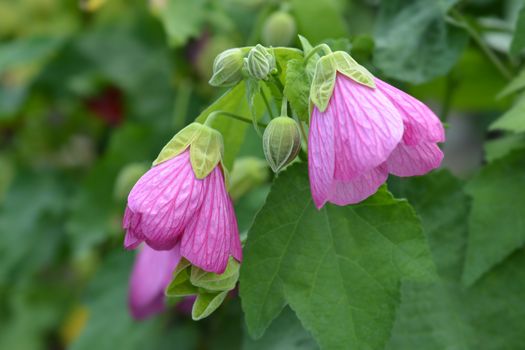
[(360, 130)]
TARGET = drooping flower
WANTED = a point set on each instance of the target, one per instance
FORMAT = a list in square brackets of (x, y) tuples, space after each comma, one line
[(362, 129), (151, 274), (183, 202)]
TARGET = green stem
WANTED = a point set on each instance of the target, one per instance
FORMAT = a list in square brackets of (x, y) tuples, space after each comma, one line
[(320, 47), (462, 21), (284, 106), (213, 115), (267, 104)]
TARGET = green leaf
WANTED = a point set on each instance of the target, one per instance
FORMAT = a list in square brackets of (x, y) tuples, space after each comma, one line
[(339, 268), (517, 84), (233, 131), (446, 315), (206, 303), (498, 199), (27, 50), (413, 41), (183, 20), (297, 88), (518, 40), (285, 333), (500, 147), (512, 120), (319, 20)]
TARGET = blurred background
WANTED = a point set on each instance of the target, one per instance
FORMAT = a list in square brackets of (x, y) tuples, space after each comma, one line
[(90, 91)]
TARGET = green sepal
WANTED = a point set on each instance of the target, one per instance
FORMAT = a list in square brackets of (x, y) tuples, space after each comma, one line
[(206, 303), (325, 73), (214, 282), (206, 148), (180, 285)]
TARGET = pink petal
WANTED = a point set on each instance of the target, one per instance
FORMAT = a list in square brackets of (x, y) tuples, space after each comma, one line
[(367, 126), (167, 197), (151, 274), (414, 160), (207, 239), (235, 244), (321, 156), (360, 188), (131, 223), (421, 124)]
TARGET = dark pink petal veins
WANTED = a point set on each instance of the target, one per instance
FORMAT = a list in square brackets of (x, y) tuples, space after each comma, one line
[(207, 240), (421, 124), (321, 156), (367, 126), (167, 197)]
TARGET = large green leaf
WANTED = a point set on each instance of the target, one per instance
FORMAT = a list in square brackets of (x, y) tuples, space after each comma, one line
[(413, 41), (285, 333), (339, 268), (26, 51), (445, 315), (297, 89), (496, 226)]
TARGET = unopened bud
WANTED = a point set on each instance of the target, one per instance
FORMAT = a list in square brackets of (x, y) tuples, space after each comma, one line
[(281, 142), (227, 68), (260, 62), (279, 29), (127, 178), (247, 173)]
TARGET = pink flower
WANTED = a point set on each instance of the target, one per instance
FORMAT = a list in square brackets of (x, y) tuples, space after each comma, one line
[(170, 207), (363, 135), (152, 272)]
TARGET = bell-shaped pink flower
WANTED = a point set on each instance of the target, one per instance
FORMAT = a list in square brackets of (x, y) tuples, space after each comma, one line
[(365, 133), (170, 207), (152, 272)]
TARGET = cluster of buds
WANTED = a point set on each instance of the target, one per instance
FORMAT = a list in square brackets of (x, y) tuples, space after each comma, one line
[(232, 65)]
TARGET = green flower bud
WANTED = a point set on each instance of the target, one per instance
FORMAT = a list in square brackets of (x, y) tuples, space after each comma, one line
[(127, 178), (247, 173), (227, 68), (279, 29), (260, 62), (281, 142)]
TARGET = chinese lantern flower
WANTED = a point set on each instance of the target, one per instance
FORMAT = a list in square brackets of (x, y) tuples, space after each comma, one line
[(151, 274), (362, 129), (182, 202)]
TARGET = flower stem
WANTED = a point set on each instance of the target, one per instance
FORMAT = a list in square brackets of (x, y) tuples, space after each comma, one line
[(213, 115), (284, 106), (462, 21), (320, 47), (267, 104)]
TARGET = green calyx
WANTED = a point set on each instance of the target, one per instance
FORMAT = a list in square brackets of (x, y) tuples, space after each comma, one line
[(206, 148), (260, 63), (227, 68), (325, 74), (210, 288), (281, 142)]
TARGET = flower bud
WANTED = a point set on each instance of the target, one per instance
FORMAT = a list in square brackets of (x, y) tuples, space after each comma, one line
[(260, 62), (281, 142), (279, 29), (227, 68), (127, 178), (247, 173)]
